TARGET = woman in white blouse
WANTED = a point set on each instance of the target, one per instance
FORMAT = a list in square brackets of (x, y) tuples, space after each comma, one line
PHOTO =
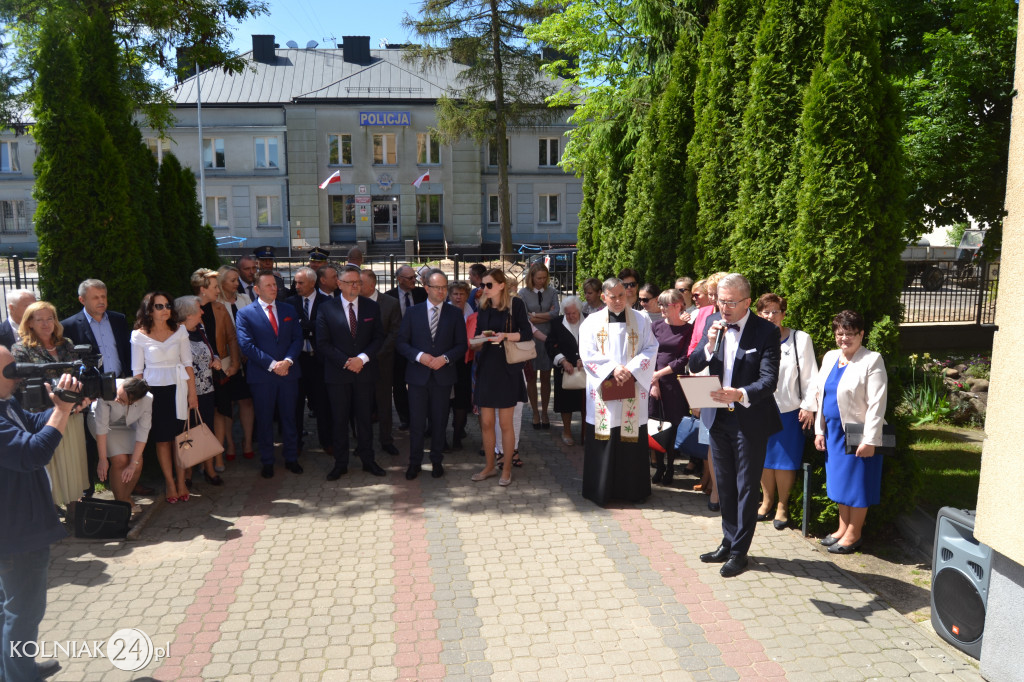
[(796, 400), (161, 355)]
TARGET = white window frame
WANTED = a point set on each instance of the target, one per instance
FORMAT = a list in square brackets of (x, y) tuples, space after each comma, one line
[(544, 206), (349, 202), (389, 148), (544, 152), (10, 151), (213, 211), (492, 155), (19, 222), (493, 210), (440, 209), (426, 144), (341, 139), (212, 148), (272, 202), (264, 143), (158, 146)]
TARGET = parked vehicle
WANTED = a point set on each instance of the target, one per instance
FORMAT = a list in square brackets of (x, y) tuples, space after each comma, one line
[(561, 263), (932, 265)]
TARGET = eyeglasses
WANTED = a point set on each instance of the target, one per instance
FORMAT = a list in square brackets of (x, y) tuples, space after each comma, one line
[(487, 285), (847, 335), (731, 305), (629, 285), (770, 313), (442, 287), (161, 306), (645, 300)]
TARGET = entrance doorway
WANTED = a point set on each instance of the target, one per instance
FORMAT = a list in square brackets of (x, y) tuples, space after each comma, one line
[(386, 227)]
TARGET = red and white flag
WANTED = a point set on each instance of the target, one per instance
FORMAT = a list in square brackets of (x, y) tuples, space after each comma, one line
[(421, 179), (334, 177)]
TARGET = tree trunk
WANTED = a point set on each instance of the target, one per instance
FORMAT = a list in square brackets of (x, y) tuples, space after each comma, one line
[(500, 135)]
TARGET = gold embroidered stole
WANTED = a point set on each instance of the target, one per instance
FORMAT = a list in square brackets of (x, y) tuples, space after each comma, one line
[(629, 430)]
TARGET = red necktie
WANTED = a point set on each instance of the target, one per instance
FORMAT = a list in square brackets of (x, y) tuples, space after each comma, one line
[(352, 319), (273, 320)]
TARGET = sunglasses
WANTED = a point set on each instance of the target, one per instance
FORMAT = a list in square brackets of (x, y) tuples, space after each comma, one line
[(629, 285), (645, 300), (161, 306), (488, 285)]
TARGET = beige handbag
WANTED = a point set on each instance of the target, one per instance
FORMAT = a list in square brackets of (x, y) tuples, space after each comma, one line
[(575, 381), (518, 351), (196, 444)]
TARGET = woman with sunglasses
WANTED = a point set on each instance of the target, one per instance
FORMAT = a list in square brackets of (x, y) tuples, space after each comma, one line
[(648, 298), (162, 355), (499, 383)]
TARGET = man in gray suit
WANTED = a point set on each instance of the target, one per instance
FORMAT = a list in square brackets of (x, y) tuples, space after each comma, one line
[(391, 320)]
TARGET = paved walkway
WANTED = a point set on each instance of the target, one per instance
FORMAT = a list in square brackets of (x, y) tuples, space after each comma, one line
[(295, 578)]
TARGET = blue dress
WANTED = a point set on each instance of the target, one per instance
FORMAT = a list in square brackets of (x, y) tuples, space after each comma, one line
[(850, 480), (786, 447)]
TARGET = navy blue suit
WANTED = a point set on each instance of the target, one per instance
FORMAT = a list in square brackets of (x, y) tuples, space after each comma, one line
[(78, 329), (739, 437), (311, 383), (351, 393), (7, 336), (259, 343), (430, 390)]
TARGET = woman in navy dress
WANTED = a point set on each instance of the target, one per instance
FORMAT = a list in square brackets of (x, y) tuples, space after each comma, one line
[(795, 397), (499, 383), (672, 328), (852, 389)]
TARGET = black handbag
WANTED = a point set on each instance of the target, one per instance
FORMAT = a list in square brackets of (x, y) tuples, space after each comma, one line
[(97, 519), (666, 438), (855, 436)]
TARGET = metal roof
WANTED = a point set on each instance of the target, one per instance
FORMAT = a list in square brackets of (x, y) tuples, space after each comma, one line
[(320, 74)]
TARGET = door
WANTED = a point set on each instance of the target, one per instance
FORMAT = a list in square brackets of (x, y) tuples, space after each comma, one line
[(385, 220)]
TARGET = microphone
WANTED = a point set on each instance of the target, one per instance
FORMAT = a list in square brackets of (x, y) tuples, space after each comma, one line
[(718, 339)]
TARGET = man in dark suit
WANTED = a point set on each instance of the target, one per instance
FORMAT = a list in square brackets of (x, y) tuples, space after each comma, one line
[(349, 336), (247, 269), (327, 281), (747, 361), (17, 301), (307, 302), (432, 338), (270, 336), (109, 334), (265, 260), (408, 295), (391, 319)]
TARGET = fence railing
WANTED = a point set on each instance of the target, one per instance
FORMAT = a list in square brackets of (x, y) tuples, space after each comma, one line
[(951, 291), (19, 273)]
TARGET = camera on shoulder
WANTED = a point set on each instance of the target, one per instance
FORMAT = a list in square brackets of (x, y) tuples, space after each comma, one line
[(85, 368)]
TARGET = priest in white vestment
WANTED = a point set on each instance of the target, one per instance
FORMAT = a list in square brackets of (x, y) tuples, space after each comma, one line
[(619, 349)]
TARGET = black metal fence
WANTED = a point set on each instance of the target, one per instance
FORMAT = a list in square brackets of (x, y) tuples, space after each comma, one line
[(951, 291), (20, 273)]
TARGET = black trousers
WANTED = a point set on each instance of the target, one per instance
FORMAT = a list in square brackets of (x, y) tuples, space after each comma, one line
[(401, 393), (356, 400), (383, 390), (739, 461), (432, 400), (313, 390)]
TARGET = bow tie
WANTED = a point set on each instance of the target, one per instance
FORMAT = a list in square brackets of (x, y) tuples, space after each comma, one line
[(735, 327), (617, 317)]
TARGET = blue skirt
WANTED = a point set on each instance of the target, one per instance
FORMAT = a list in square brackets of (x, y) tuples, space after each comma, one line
[(786, 447), (850, 480)]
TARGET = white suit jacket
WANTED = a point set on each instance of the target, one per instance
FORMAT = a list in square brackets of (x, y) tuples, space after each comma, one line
[(861, 394)]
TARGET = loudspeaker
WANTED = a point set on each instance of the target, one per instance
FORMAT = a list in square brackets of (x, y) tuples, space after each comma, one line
[(960, 575)]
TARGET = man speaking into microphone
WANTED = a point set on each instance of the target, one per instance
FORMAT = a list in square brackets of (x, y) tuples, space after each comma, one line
[(744, 351)]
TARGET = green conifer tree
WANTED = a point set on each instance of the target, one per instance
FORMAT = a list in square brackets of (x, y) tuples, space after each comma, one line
[(201, 240), (81, 219), (175, 226), (845, 251)]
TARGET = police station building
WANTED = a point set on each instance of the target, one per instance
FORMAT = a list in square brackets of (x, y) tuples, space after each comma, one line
[(296, 117)]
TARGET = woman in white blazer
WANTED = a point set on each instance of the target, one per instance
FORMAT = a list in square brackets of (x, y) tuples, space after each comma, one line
[(852, 388), (798, 372)]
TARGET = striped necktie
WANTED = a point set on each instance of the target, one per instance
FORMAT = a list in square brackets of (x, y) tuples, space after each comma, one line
[(434, 315)]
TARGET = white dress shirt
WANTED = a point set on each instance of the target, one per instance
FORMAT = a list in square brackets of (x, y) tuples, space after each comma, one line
[(731, 344)]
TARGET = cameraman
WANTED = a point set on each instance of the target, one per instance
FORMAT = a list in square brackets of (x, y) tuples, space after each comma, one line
[(30, 524)]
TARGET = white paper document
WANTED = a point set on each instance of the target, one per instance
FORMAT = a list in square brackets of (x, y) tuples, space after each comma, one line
[(698, 390)]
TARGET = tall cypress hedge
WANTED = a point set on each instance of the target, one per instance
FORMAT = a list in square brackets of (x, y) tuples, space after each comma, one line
[(81, 220), (845, 249)]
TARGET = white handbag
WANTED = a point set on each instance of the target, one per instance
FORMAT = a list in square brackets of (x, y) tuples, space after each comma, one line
[(575, 381)]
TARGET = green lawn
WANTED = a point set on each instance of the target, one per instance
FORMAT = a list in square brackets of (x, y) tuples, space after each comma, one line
[(950, 464)]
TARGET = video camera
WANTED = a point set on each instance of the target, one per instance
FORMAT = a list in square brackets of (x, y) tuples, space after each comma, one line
[(95, 384)]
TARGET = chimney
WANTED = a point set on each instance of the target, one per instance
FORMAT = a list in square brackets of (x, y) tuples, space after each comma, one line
[(264, 49), (356, 49)]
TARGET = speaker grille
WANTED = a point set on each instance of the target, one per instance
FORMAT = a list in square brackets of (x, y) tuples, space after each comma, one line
[(978, 570), (959, 605), (947, 554)]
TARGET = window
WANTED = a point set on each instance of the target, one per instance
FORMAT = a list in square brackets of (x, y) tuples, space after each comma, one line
[(9, 157), (266, 152), (213, 152), (548, 208), (548, 151), (492, 154), (384, 150), (158, 146), (268, 211), (343, 210), (493, 215), (217, 211), (13, 217), (339, 149), (428, 209), (428, 149)]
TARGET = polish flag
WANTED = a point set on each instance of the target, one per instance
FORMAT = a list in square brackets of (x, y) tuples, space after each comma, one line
[(421, 179), (334, 177)]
